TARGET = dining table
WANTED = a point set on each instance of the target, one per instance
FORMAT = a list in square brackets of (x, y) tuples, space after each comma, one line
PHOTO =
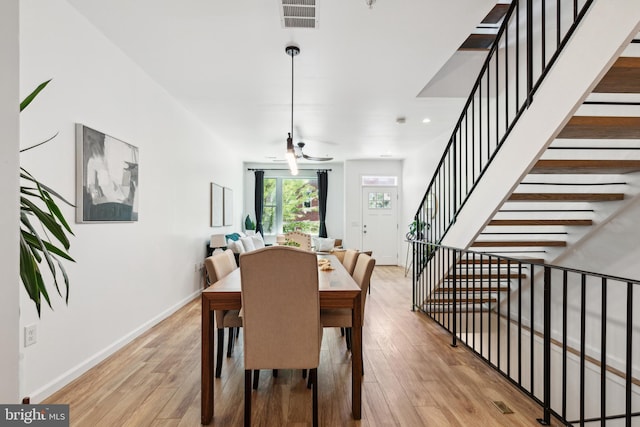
[(337, 289)]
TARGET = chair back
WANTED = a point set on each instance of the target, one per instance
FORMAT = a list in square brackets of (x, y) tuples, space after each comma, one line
[(281, 308), (219, 265), (349, 260), (303, 239), (362, 275)]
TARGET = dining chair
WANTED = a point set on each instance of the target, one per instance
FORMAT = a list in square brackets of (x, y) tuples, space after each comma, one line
[(218, 266), (349, 260), (341, 317), (303, 239), (281, 315), (370, 253)]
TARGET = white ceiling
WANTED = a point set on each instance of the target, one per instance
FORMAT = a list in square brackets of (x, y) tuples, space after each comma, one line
[(358, 72)]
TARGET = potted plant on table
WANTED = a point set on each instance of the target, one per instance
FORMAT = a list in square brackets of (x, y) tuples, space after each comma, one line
[(249, 226)]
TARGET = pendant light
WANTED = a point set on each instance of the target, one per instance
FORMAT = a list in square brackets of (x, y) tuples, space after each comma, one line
[(290, 155)]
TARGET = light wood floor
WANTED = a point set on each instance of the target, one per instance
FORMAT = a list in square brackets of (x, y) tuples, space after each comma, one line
[(413, 377)]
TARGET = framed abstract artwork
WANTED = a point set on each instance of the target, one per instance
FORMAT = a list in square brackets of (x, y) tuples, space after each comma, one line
[(107, 171), (217, 205)]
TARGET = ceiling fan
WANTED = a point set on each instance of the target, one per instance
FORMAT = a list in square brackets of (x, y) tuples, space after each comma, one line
[(295, 152), (299, 153)]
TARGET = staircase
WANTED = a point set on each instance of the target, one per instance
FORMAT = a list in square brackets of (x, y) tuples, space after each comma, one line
[(542, 165), (583, 176)]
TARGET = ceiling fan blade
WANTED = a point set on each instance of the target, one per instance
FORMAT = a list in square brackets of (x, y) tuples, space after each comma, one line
[(317, 159)]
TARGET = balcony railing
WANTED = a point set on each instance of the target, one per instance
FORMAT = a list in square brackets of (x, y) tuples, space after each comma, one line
[(568, 338)]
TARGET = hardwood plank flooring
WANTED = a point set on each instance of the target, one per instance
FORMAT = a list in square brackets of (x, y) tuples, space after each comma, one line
[(413, 377)]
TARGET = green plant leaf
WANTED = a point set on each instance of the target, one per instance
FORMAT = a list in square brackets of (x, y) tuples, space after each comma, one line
[(45, 252), (33, 94), (66, 280), (26, 175), (55, 211), (48, 221), (31, 277), (39, 144), (33, 242), (32, 247)]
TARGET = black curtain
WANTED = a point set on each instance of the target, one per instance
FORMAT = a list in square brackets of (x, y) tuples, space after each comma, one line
[(259, 200), (323, 183)]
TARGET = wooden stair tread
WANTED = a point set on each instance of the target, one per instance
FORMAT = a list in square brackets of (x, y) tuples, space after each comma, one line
[(501, 261), (541, 222), (486, 276), (460, 300), (622, 77), (518, 243), (478, 42), (473, 289), (585, 166), (601, 127), (565, 197), (496, 14)]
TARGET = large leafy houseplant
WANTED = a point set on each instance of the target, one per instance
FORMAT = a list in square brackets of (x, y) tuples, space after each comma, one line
[(38, 209)]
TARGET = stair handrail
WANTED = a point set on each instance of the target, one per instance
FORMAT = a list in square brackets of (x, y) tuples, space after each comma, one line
[(555, 297), (446, 193)]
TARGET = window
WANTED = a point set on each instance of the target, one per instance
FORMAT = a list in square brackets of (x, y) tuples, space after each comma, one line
[(382, 181), (379, 200), (290, 204)]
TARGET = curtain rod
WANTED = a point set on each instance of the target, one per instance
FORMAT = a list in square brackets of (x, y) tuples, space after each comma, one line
[(284, 169)]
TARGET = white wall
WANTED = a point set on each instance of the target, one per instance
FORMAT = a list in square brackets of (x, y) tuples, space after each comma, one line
[(127, 276), (353, 172), (335, 193), (9, 261)]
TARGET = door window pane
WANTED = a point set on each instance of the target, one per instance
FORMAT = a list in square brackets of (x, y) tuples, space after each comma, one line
[(379, 200)]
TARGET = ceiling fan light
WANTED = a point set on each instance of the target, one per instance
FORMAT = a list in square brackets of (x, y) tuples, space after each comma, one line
[(291, 160)]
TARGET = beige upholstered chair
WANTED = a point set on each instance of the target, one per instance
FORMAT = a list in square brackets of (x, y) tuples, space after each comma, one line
[(349, 260), (281, 315), (341, 317), (303, 239), (218, 266)]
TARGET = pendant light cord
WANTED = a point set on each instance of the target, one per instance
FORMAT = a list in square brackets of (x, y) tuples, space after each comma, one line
[(292, 55)]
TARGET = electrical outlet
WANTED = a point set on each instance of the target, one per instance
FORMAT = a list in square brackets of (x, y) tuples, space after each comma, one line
[(30, 335)]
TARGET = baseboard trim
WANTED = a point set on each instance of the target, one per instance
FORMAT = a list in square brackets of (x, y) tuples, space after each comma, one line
[(73, 373)]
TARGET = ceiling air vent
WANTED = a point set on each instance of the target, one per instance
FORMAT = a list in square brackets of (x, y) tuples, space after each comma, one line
[(299, 13)]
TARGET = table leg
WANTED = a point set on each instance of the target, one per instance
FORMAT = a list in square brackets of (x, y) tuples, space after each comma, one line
[(356, 359), (206, 411)]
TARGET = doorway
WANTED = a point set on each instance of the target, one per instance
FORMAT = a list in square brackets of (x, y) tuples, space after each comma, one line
[(380, 223)]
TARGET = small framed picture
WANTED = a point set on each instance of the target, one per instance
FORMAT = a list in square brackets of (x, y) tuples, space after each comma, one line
[(217, 205), (228, 206)]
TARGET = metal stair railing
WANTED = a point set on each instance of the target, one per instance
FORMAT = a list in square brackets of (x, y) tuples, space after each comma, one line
[(529, 41), (571, 330)]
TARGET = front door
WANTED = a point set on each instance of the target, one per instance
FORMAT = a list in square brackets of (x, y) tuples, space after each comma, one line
[(380, 223)]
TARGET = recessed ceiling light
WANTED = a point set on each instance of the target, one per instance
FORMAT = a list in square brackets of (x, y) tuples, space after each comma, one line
[(426, 120)]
